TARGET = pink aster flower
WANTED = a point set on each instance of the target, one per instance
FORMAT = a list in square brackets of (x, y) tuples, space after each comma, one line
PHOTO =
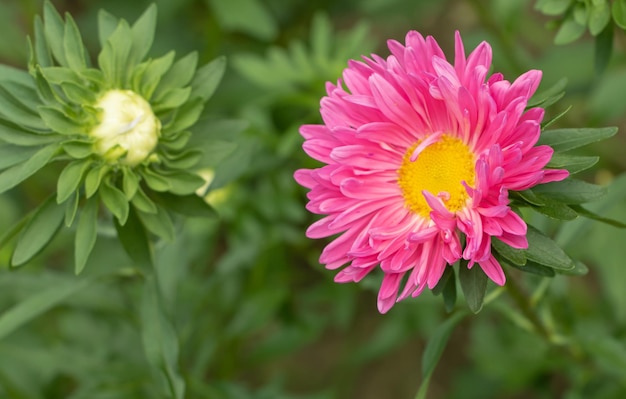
[(419, 152)]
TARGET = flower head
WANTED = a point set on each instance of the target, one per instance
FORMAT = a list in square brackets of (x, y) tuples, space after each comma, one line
[(420, 155)]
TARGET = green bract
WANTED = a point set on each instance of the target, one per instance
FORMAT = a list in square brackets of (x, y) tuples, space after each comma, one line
[(119, 128)]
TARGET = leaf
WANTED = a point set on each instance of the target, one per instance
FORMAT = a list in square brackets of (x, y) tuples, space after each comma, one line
[(573, 163), (555, 209), (513, 255), (248, 16), (115, 201), (142, 202), (143, 33), (599, 17), (184, 183), (107, 23), (188, 205), (178, 76), (40, 52), (562, 140), (113, 59), (59, 121), (39, 230), (542, 250), (71, 207), (130, 182), (529, 196), (134, 240), (159, 223), (18, 113), (70, 178), (552, 7), (321, 39), (619, 13), (86, 234), (555, 118), (94, 178), (16, 174), (569, 31), (570, 191), (73, 45), (37, 304), (155, 181), (146, 78), (434, 348), (12, 154), (582, 211), (533, 268), (603, 49), (474, 284), (580, 269), (14, 134), (54, 31), (207, 78), (546, 96), (159, 340), (78, 149)]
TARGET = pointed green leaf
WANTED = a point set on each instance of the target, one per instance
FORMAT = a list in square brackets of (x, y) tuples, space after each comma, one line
[(567, 139), (546, 123), (41, 50), (37, 304), (159, 223), (184, 161), (58, 75), (70, 178), (58, 121), (529, 196), (73, 45), (134, 240), (155, 181), (178, 76), (603, 49), (474, 285), (71, 207), (107, 23), (18, 113), (184, 183), (78, 94), (207, 78), (115, 201), (14, 134), (580, 269), (531, 267), (147, 78), (94, 178), (12, 154), (582, 211), (619, 13), (54, 29), (555, 209), (39, 230), (143, 203), (542, 250), (189, 205), (569, 31), (599, 17), (513, 255), (16, 174), (114, 57), (552, 7), (185, 116), (78, 149), (573, 163), (570, 191), (248, 16), (130, 182), (174, 98), (143, 33), (86, 234)]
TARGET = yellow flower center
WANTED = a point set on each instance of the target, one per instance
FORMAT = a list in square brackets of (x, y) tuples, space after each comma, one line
[(439, 169)]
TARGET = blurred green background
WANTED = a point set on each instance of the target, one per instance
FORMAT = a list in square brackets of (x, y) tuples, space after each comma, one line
[(255, 314)]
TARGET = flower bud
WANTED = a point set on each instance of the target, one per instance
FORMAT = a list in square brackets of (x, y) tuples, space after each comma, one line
[(128, 130)]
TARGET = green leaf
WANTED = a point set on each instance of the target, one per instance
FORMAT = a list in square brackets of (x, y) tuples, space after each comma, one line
[(178, 76), (542, 250), (130, 182), (73, 45), (184, 161), (143, 33), (174, 98), (188, 205), (599, 17), (59, 121), (185, 116), (39, 230), (434, 348), (529, 196), (146, 78), (513, 255), (143, 203), (569, 31), (184, 183), (580, 269), (14, 230), (155, 181), (562, 140), (16, 112), (582, 211), (160, 341), (78, 149), (474, 284), (114, 57), (546, 123), (78, 94), (94, 178), (321, 39), (248, 16), (107, 23), (54, 30), (573, 163), (58, 75), (70, 178), (207, 78), (552, 7), (570, 191), (14, 134), (37, 304), (603, 49), (16, 174), (86, 234), (40, 52), (159, 223), (555, 209), (115, 201), (549, 96), (134, 240), (448, 273), (533, 268), (71, 207), (12, 154), (619, 13)]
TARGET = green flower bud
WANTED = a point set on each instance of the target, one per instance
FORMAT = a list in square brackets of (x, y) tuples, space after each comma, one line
[(128, 131)]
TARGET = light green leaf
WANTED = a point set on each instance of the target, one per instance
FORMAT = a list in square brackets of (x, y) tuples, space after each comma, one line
[(115, 201), (184, 183), (37, 304), (73, 45), (12, 154), (143, 203), (599, 17), (569, 31), (542, 250), (248, 16), (107, 23), (134, 240), (474, 284), (58, 121), (619, 13), (184, 161), (143, 33), (16, 112), (94, 178), (54, 31), (41, 52), (16, 174), (78, 149), (434, 348), (70, 178), (86, 234), (160, 341), (155, 181), (570, 191), (552, 7), (71, 207), (147, 77), (207, 78), (39, 230), (159, 223), (562, 140), (78, 94), (178, 76), (114, 57), (57, 75), (185, 116), (174, 98), (130, 182), (189, 205)]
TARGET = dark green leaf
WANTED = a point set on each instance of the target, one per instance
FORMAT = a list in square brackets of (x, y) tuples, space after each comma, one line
[(248, 16), (528, 196), (555, 118), (448, 273), (16, 174), (474, 284), (513, 255), (580, 269), (39, 230), (582, 211), (570, 191), (533, 268), (71, 207), (12, 154), (573, 163), (115, 201), (542, 250), (70, 178), (603, 49), (73, 45), (555, 209), (134, 240), (141, 201), (86, 234), (188, 205), (562, 140), (159, 223)]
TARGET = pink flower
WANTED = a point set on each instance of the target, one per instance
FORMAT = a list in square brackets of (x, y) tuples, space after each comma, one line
[(419, 152)]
